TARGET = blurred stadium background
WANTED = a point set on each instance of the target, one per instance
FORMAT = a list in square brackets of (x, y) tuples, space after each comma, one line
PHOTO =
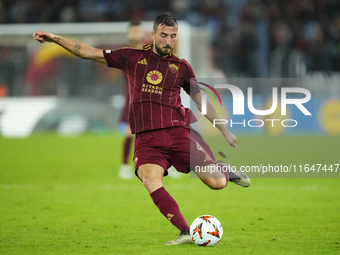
[(63, 196), (44, 88)]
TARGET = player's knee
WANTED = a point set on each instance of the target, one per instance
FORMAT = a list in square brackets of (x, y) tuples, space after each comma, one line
[(151, 176), (219, 183), (150, 182), (144, 177)]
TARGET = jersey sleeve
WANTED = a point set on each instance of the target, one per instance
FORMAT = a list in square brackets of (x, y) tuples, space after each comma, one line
[(190, 84), (117, 58)]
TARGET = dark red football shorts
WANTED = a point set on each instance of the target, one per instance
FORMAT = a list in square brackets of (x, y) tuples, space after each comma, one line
[(182, 147)]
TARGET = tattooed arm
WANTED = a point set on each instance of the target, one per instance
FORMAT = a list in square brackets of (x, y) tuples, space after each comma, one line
[(78, 49)]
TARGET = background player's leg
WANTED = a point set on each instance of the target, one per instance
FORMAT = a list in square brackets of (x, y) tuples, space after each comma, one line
[(172, 173), (125, 170), (152, 177), (127, 145)]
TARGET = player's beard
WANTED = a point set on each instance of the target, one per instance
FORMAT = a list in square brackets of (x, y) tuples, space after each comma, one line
[(162, 51)]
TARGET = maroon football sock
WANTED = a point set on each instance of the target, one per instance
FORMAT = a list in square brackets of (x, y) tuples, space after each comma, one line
[(169, 208), (224, 171), (126, 149)]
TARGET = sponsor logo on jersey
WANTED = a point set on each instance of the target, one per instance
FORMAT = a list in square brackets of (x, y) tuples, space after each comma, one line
[(173, 68), (152, 89), (154, 77), (143, 62)]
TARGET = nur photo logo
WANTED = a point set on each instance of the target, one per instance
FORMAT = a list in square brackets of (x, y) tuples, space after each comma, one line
[(238, 104)]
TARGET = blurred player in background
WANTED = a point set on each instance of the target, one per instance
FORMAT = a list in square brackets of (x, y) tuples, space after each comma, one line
[(135, 35), (158, 118)]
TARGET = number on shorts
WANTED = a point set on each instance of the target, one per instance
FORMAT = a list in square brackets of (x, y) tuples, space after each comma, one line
[(199, 147)]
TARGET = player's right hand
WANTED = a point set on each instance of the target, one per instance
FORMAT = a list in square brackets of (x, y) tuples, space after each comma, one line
[(231, 139), (42, 36)]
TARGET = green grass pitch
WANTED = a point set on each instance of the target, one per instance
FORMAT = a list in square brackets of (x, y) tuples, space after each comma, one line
[(62, 196)]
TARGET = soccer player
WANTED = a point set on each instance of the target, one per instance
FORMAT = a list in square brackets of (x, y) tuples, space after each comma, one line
[(135, 35), (161, 124)]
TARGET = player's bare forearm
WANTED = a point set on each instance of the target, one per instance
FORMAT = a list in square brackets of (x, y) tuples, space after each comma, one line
[(211, 116), (78, 49), (211, 112)]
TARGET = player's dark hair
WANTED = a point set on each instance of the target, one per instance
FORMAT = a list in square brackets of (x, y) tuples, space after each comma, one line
[(166, 19), (135, 23)]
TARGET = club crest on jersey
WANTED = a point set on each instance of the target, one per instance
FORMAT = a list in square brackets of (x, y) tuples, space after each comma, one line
[(154, 77), (173, 68)]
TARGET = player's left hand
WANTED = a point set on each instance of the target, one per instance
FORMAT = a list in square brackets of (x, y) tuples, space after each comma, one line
[(42, 36), (231, 139)]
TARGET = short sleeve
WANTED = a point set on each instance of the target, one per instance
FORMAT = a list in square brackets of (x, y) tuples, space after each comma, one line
[(116, 58), (190, 84)]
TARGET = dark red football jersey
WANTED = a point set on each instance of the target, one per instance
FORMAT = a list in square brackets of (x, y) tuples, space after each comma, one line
[(154, 87)]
